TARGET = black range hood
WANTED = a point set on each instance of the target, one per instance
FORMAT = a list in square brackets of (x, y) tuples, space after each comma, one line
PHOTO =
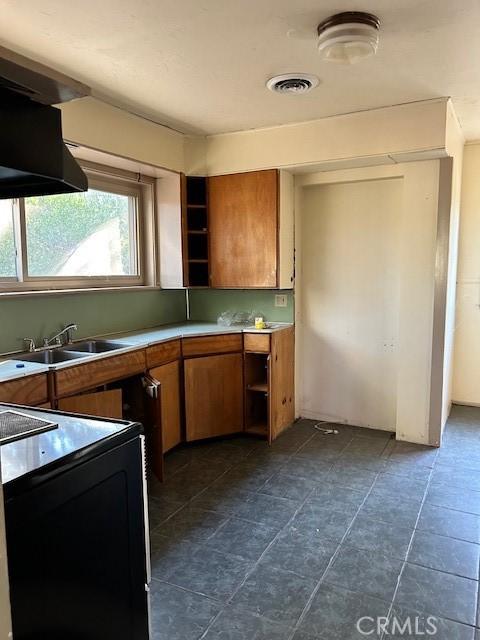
[(34, 159)]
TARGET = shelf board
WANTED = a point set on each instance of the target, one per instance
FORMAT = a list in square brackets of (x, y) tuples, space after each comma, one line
[(198, 232), (261, 387), (260, 429), (196, 206), (198, 261)]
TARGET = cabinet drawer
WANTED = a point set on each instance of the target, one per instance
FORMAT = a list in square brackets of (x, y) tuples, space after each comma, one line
[(92, 374), (227, 343), (31, 390), (257, 342), (162, 353)]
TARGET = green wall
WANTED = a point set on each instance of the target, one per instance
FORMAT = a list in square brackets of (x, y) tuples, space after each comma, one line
[(102, 312), (95, 312), (208, 304)]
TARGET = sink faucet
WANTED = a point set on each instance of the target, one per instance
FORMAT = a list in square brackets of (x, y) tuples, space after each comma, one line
[(30, 344), (57, 338)]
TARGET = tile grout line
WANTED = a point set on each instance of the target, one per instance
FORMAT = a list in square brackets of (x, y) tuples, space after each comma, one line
[(308, 605), (405, 562), (390, 609), (196, 495), (271, 543), (221, 604), (281, 468), (187, 590), (230, 516)]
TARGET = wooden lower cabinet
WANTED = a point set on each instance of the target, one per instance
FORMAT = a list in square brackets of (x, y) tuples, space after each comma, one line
[(212, 345), (105, 404), (269, 382), (164, 413), (168, 378), (88, 375), (30, 390), (282, 382), (159, 354), (213, 395), (231, 383)]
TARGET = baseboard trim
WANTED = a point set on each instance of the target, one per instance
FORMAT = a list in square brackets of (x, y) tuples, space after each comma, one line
[(462, 403), (312, 415)]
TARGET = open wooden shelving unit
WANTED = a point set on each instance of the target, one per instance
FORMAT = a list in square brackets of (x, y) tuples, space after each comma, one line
[(196, 271), (257, 379)]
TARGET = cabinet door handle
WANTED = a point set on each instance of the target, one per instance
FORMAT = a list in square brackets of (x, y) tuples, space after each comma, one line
[(150, 389)]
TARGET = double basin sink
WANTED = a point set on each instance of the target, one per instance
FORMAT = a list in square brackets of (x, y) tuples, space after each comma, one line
[(57, 355)]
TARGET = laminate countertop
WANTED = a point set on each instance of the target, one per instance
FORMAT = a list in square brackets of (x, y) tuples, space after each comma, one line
[(12, 369)]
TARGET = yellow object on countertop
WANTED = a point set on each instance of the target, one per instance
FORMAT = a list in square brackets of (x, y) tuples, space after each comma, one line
[(259, 323)]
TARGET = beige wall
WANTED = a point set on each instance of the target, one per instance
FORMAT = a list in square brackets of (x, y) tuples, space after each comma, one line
[(379, 136), (466, 378), (95, 124), (348, 346), (455, 147), (416, 273)]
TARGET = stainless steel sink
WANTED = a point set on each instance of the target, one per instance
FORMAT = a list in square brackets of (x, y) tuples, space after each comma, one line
[(50, 356), (95, 346)]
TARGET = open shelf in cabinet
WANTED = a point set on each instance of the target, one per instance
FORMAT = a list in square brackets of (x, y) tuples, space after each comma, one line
[(195, 232), (257, 366)]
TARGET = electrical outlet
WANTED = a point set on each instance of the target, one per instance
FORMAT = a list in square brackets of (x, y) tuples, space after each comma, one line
[(280, 300)]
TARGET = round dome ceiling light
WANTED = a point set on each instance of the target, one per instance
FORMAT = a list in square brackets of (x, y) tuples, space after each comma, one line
[(293, 83), (348, 37)]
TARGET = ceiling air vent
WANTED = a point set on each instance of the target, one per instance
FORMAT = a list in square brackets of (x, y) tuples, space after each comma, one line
[(296, 83)]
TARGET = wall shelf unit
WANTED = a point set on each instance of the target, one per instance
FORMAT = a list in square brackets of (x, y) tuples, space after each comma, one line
[(195, 238)]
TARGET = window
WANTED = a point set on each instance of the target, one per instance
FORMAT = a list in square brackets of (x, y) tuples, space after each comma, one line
[(73, 240), (81, 234)]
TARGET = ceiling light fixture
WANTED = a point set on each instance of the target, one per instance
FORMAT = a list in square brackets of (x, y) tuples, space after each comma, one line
[(348, 37), (296, 83)]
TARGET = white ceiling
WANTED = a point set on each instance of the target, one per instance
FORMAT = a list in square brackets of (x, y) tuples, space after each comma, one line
[(200, 66)]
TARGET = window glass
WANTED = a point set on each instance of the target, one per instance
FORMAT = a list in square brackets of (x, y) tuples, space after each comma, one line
[(81, 234), (8, 266)]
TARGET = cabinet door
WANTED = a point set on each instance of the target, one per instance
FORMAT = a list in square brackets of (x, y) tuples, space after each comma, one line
[(168, 376), (153, 425), (243, 222), (282, 381), (105, 404), (213, 395)]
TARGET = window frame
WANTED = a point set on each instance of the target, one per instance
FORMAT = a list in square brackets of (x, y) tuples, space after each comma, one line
[(13, 280), (103, 179)]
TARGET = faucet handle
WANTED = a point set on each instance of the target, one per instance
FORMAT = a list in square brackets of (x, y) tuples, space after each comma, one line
[(30, 344)]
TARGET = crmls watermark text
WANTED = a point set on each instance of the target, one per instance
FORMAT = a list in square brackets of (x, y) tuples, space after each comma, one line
[(413, 626)]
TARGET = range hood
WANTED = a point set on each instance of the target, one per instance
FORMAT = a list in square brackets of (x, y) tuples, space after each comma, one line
[(34, 159)]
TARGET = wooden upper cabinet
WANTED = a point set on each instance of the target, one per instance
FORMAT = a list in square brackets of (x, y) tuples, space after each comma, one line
[(243, 222)]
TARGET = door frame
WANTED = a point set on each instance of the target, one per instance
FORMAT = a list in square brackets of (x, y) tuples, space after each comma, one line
[(426, 208)]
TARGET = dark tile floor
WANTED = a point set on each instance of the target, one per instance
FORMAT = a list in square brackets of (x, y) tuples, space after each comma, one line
[(300, 540)]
